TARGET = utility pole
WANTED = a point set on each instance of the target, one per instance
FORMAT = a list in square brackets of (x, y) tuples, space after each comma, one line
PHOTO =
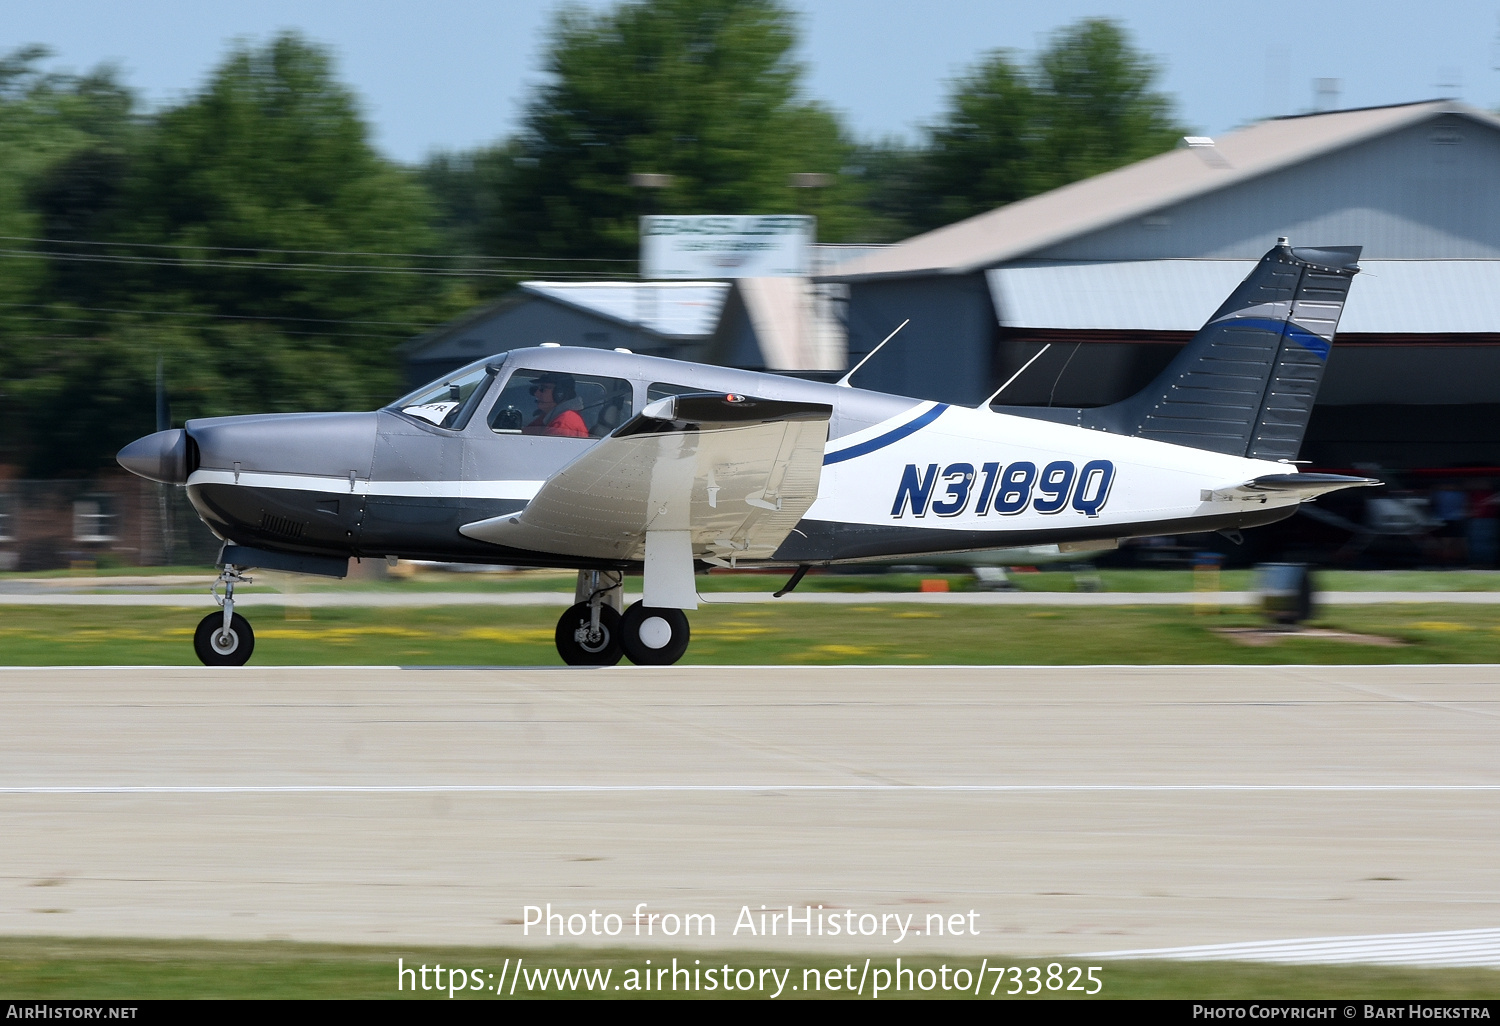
[(650, 186)]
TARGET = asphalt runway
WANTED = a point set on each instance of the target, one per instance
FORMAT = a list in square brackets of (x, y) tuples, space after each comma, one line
[(1072, 809)]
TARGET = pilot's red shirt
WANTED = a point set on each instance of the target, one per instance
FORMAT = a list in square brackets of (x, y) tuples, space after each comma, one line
[(568, 424)]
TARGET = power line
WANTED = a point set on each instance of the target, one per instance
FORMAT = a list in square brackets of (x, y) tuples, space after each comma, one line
[(250, 265), (236, 317), (283, 331), (322, 252)]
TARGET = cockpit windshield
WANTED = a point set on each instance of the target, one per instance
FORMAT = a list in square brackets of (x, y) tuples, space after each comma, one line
[(532, 401), (447, 403)]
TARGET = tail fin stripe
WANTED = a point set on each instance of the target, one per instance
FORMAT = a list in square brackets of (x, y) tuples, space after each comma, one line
[(1314, 343)]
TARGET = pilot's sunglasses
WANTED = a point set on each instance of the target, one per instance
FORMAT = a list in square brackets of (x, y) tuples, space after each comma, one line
[(537, 388)]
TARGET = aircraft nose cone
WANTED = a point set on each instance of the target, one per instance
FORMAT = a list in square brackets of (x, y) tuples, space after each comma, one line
[(159, 457)]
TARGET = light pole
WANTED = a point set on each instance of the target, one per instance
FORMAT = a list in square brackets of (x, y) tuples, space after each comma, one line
[(650, 184), (809, 180)]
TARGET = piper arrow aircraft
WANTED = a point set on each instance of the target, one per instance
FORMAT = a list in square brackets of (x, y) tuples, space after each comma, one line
[(612, 463)]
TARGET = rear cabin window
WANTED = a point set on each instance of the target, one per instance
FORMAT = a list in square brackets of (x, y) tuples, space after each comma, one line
[(543, 402)]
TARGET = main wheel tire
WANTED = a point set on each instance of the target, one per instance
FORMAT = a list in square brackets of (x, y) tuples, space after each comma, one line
[(217, 648), (573, 641), (654, 637)]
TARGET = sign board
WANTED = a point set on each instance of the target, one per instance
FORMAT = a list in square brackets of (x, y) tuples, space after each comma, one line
[(726, 246)]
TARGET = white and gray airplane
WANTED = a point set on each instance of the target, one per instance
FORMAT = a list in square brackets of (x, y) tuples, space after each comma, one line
[(613, 463)]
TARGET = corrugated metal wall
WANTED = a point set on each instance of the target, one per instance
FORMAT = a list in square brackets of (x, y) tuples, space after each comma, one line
[(1429, 192), (1414, 297)]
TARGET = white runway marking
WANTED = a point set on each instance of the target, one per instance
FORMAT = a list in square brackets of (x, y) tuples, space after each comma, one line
[(1446, 948), (731, 788)]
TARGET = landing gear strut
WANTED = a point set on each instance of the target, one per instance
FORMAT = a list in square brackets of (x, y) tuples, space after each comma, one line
[(588, 634), (225, 638)]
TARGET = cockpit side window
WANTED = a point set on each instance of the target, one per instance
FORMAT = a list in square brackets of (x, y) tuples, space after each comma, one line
[(450, 403), (557, 403)]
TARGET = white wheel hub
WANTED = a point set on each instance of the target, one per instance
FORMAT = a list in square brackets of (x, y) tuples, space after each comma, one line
[(225, 642), (655, 632)]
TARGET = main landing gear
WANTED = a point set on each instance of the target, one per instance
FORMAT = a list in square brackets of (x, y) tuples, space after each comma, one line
[(654, 637), (596, 631), (225, 638)]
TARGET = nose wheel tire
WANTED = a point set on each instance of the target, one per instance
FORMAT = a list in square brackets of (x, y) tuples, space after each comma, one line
[(654, 637), (218, 647), (577, 642)]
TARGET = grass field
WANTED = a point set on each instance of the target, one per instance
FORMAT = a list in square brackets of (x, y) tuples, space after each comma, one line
[(39, 968), (771, 634), (1044, 579)]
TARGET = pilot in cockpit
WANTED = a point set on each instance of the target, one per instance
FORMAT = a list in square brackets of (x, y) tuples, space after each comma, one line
[(557, 407)]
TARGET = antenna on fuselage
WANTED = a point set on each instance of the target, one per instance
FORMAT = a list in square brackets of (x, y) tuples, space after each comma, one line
[(844, 381), (1016, 375)]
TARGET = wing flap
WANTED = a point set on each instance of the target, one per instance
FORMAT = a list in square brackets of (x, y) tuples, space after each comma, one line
[(735, 472)]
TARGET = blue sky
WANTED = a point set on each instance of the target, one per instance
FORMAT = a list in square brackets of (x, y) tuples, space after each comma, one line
[(451, 74)]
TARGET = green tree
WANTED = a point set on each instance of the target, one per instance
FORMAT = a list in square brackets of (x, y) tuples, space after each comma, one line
[(703, 90), (983, 152), (253, 238), (1086, 104), (269, 171), (48, 122), (1098, 106), (46, 119), (266, 189), (465, 189)]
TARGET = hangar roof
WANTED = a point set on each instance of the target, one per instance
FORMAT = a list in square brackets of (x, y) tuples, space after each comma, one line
[(687, 309), (1389, 296), (1029, 225)]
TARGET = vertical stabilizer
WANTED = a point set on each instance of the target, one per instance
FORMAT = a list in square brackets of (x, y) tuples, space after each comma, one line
[(1246, 383)]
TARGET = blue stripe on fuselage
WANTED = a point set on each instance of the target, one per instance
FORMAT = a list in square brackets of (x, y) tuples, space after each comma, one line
[(880, 442)]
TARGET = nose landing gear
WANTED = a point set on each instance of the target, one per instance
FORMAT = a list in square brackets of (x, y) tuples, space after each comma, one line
[(225, 638)]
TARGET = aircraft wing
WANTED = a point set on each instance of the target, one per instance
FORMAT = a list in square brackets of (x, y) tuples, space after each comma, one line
[(1304, 486), (710, 477)]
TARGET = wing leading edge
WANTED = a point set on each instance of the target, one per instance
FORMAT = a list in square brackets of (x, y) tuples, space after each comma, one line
[(715, 477)]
